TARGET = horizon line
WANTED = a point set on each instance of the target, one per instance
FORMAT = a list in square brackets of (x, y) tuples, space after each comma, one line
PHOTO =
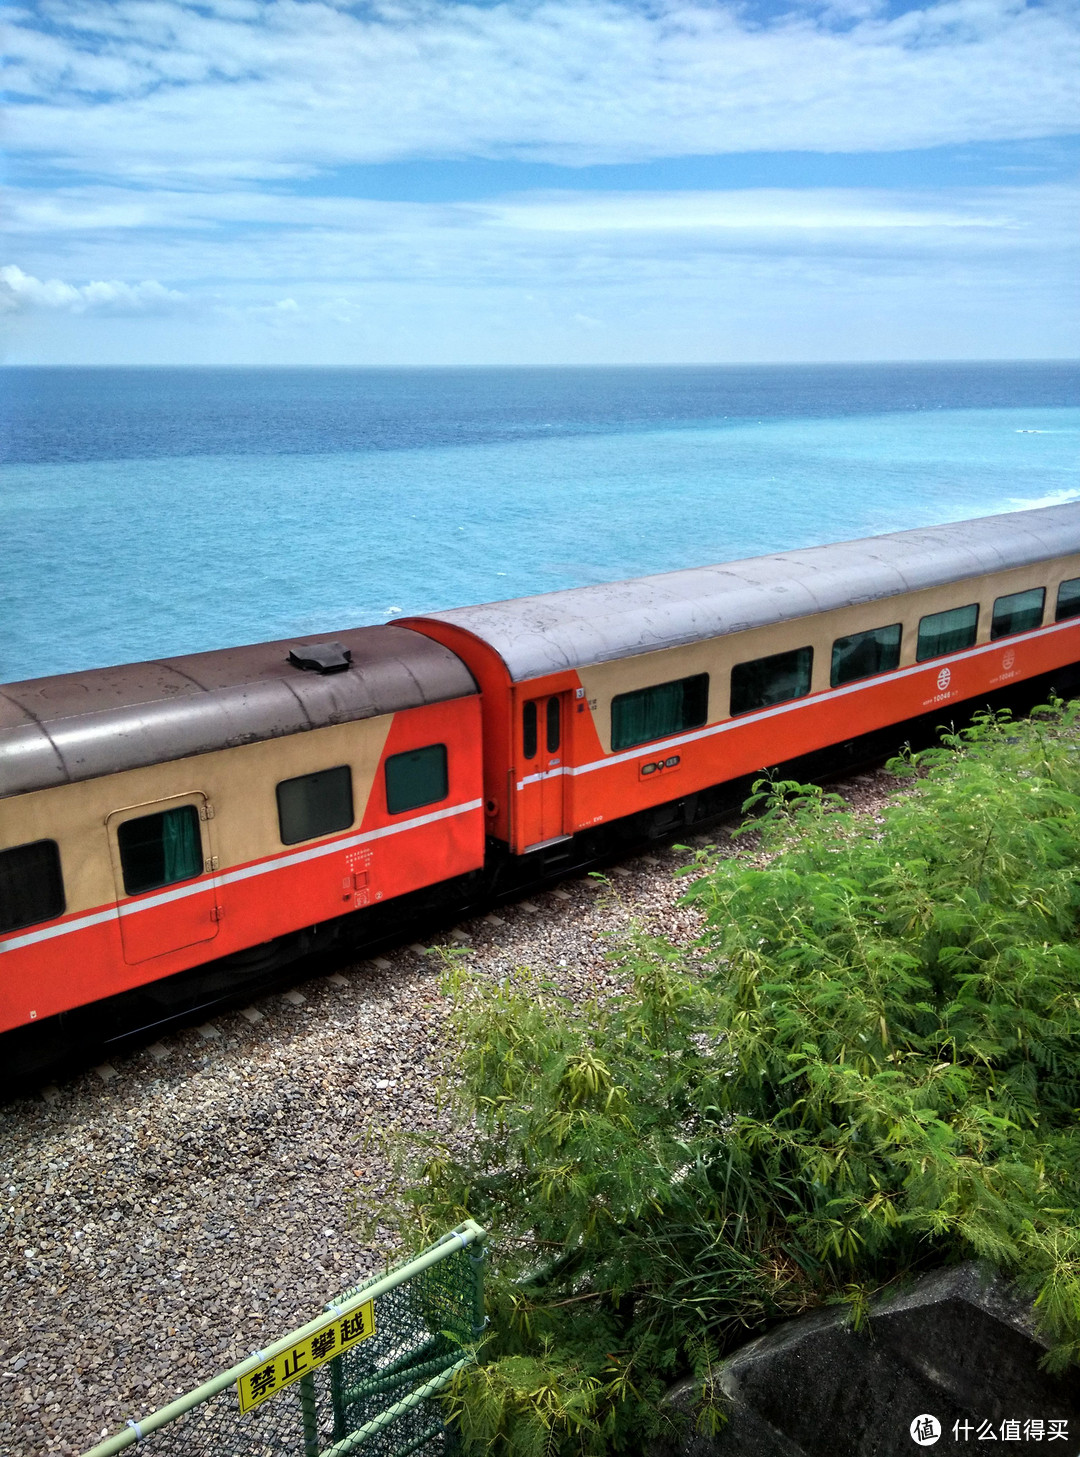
[(622, 364)]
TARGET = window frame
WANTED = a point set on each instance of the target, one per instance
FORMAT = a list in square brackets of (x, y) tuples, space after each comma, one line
[(404, 754), (1060, 616), (946, 652), (314, 774), (995, 635), (58, 884), (867, 632), (553, 724), (807, 648), (151, 814), (530, 729), (619, 746)]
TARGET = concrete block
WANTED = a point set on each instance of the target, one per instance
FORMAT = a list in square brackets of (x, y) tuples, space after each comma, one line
[(958, 1345)]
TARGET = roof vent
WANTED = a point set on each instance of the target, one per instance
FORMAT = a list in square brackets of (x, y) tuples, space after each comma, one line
[(321, 657)]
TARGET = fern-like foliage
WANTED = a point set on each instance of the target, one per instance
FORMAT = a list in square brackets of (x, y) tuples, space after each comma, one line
[(870, 1064)]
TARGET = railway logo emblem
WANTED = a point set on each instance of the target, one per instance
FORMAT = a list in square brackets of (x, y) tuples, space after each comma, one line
[(1008, 660), (944, 678)]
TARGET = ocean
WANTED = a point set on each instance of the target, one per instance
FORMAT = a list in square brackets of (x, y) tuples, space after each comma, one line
[(149, 512)]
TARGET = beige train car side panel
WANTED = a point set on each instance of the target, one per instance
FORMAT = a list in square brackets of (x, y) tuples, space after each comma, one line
[(717, 656), (239, 783)]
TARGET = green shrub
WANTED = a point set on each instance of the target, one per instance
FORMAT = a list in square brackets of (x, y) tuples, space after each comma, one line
[(866, 1066)]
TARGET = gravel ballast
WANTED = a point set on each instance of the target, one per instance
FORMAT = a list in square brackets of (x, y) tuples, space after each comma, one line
[(166, 1215)]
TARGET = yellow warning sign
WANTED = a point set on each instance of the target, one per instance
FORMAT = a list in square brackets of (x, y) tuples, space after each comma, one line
[(313, 1351)]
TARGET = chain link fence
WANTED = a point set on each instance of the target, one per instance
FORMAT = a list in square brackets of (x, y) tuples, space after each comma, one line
[(362, 1375)]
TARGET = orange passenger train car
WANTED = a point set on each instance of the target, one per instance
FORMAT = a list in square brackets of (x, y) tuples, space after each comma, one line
[(633, 701), (170, 832), (163, 815)]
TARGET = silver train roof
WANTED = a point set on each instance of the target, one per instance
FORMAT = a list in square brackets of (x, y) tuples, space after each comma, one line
[(80, 725), (571, 629)]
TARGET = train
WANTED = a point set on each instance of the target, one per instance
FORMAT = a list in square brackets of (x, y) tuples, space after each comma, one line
[(175, 832)]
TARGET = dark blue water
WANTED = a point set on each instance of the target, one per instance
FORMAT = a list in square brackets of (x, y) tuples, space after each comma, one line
[(130, 414), (151, 512)]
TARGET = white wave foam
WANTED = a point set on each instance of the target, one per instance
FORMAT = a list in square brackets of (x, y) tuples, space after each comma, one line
[(1055, 498)]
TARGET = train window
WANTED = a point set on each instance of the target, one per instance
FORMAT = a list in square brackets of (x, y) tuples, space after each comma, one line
[(1019, 612), (775, 679), (864, 654), (554, 724), (415, 778), (31, 886), (655, 713), (528, 730), (947, 632), (315, 804), (160, 849), (1068, 600)]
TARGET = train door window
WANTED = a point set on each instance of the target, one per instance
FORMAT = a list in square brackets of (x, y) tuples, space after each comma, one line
[(31, 885), (415, 778), (315, 804), (554, 724), (775, 679), (528, 730), (160, 849), (1068, 600), (865, 653), (658, 712), (947, 632), (1019, 612)]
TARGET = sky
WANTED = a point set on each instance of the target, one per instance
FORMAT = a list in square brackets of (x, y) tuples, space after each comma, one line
[(428, 182)]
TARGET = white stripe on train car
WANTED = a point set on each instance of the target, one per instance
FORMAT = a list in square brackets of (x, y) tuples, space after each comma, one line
[(29, 938), (282, 862), (246, 872)]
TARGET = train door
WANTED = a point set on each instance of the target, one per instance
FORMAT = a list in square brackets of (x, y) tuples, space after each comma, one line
[(164, 847), (543, 773)]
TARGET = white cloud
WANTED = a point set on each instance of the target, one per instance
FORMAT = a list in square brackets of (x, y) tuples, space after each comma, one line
[(20, 291), (828, 273), (741, 307), (186, 127), (743, 210), (209, 241), (283, 311), (140, 90)]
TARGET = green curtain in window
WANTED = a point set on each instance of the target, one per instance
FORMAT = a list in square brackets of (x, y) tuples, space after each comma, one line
[(180, 845), (652, 713), (947, 632), (1019, 612)]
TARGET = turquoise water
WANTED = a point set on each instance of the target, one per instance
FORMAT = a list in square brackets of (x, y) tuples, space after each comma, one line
[(114, 560)]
